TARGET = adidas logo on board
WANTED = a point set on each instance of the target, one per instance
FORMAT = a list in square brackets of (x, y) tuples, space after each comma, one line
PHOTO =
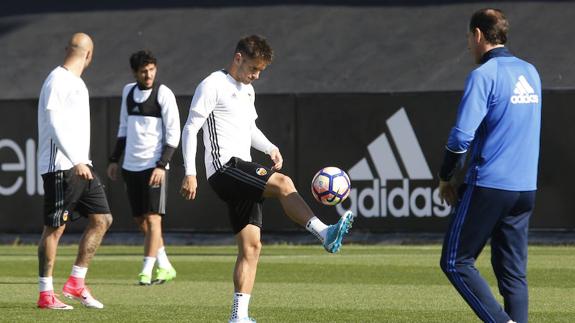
[(391, 192)]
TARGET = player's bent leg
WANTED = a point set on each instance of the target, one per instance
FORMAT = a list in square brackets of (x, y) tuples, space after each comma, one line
[(92, 237), (75, 286), (282, 187)]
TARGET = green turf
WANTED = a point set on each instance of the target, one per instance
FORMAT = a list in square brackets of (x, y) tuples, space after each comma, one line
[(294, 284)]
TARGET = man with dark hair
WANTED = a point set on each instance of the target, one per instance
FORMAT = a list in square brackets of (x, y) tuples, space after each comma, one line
[(149, 133), (72, 188), (499, 120), (223, 106)]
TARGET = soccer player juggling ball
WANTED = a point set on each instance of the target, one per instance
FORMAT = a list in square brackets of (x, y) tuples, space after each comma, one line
[(223, 106)]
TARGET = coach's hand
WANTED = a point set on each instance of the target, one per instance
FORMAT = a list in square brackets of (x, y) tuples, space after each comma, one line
[(113, 171), (83, 171), (189, 187), (277, 158), (157, 177), (447, 193)]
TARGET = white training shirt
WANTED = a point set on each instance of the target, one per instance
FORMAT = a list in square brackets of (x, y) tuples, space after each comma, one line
[(147, 135), (63, 122), (224, 109)]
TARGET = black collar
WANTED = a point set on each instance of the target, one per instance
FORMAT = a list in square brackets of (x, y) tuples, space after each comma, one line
[(495, 52)]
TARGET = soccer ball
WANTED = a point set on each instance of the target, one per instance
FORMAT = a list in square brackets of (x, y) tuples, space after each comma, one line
[(330, 186)]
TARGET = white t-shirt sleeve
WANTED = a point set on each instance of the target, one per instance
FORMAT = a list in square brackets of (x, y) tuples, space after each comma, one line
[(170, 115), (260, 141), (203, 103)]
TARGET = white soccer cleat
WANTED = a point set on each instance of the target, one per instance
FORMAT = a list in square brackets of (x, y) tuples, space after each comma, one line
[(243, 320), (82, 295)]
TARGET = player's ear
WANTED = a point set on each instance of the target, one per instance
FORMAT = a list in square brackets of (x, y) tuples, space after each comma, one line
[(88, 57), (478, 35)]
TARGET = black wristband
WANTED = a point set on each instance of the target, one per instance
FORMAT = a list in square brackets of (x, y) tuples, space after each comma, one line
[(451, 163), (167, 154)]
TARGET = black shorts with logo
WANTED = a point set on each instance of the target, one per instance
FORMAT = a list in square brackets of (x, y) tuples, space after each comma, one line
[(145, 199), (241, 185), (67, 197)]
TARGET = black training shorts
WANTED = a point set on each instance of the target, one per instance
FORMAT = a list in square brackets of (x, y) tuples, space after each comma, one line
[(145, 199), (241, 185), (67, 197)]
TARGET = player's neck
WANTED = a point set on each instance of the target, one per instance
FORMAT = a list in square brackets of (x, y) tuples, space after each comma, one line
[(233, 72), (75, 67)]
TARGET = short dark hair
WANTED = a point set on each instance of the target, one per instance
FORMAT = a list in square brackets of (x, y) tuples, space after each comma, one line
[(142, 58), (255, 47), (492, 23)]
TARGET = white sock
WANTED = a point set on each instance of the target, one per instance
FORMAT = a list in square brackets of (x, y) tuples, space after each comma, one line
[(317, 228), (240, 306), (148, 265), (79, 272), (45, 284), (163, 261)]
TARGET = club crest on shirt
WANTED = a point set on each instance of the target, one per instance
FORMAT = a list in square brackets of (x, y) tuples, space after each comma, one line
[(65, 216), (261, 171)]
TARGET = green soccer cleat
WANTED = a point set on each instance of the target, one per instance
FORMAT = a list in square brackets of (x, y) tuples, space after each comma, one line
[(164, 275), (144, 280)]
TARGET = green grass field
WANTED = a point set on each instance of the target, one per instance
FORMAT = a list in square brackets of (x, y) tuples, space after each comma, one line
[(294, 284)]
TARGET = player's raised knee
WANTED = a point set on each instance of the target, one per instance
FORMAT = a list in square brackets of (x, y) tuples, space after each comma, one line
[(281, 185)]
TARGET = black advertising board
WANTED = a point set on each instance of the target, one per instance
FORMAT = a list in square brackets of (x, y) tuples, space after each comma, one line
[(391, 145)]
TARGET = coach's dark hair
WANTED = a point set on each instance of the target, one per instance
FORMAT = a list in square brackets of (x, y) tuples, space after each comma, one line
[(492, 23), (255, 47), (142, 58)]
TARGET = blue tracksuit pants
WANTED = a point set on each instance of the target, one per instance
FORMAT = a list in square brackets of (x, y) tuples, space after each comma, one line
[(481, 214)]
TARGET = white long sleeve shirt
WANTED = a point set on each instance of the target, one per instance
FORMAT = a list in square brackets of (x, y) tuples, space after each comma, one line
[(146, 135), (224, 109), (63, 122)]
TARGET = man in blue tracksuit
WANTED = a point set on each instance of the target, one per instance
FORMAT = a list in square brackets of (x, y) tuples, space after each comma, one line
[(498, 121)]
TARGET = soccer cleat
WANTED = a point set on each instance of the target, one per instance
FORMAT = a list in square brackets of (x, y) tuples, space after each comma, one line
[(164, 275), (144, 280), (243, 320), (81, 294), (335, 232), (49, 300)]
